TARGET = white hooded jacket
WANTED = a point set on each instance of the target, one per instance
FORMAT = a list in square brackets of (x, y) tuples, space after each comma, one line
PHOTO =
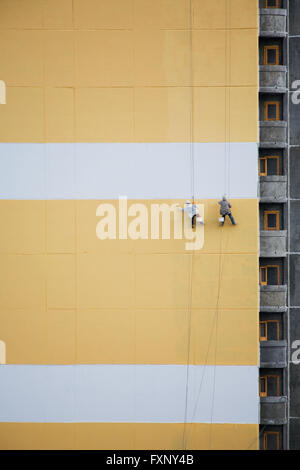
[(190, 209)]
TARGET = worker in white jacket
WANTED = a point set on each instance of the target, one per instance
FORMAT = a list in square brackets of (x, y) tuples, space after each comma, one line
[(192, 211)]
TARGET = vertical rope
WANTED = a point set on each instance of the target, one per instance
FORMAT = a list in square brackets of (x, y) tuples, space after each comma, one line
[(213, 327), (216, 338), (227, 189), (227, 97), (184, 445), (192, 163)]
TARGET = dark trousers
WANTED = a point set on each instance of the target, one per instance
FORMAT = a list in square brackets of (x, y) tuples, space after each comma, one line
[(194, 221), (230, 217)]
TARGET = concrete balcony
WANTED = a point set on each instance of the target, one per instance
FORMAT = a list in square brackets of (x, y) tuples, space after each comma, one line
[(272, 243), (272, 78), (273, 354), (273, 298), (273, 188), (272, 22), (273, 133), (273, 410)]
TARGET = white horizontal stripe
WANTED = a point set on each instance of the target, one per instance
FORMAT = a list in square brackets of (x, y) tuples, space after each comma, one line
[(138, 171), (128, 393)]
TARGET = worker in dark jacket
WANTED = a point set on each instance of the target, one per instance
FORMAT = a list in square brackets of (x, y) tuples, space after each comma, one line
[(225, 209)]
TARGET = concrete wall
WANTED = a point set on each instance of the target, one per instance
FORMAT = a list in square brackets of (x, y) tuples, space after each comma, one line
[(295, 279), (294, 433), (294, 58), (295, 225), (294, 378), (294, 117), (295, 172), (294, 242), (294, 17)]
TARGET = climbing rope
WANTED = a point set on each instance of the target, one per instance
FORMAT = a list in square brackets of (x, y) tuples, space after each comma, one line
[(227, 151)]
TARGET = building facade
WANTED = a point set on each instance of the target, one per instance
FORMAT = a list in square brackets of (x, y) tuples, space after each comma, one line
[(115, 334), (279, 236)]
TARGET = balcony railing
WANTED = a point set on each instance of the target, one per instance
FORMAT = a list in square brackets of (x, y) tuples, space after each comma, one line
[(273, 243), (273, 410), (273, 298), (273, 354), (273, 188), (272, 22), (273, 133), (272, 78)]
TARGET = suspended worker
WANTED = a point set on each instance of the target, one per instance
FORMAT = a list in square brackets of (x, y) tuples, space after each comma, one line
[(192, 212), (225, 209)]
